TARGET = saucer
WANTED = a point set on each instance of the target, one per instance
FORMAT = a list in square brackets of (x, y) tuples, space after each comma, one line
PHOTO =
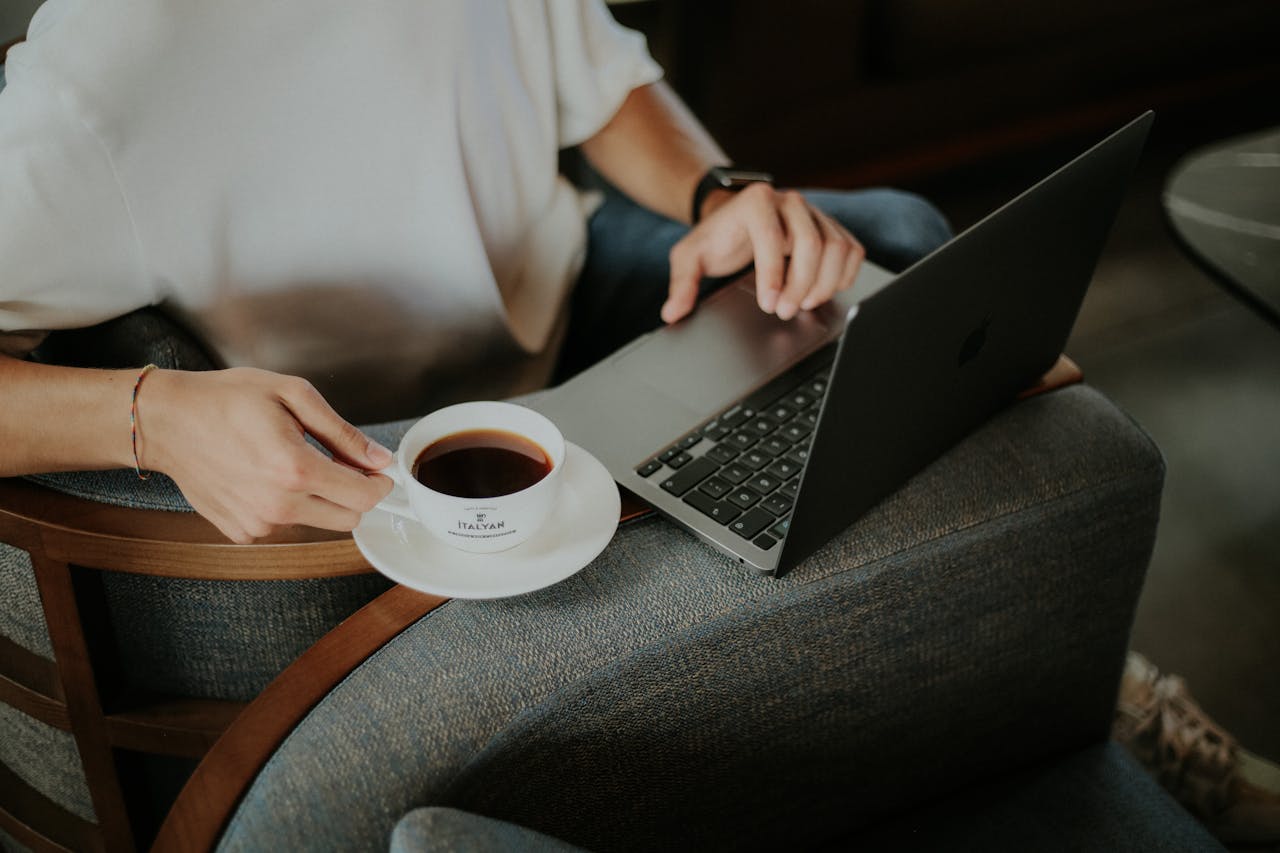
[(582, 523)]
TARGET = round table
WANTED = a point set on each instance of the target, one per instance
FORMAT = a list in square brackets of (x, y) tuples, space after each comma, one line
[(1223, 202)]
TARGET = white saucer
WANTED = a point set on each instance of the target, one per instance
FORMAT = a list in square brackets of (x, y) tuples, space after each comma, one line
[(583, 522)]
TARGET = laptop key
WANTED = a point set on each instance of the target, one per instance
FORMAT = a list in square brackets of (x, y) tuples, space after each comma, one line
[(715, 487), (740, 440), (690, 441), (760, 426), (799, 400), (776, 504), (774, 446), (799, 455), (689, 476), (720, 511), (649, 468), (791, 489), (780, 412), (715, 431), (735, 416), (796, 431), (743, 497), (679, 460), (722, 453), (754, 459), (669, 454), (783, 469), (764, 483), (734, 473), (764, 542), (750, 523), (780, 529)]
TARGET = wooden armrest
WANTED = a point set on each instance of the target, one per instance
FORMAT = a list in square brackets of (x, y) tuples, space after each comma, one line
[(169, 544)]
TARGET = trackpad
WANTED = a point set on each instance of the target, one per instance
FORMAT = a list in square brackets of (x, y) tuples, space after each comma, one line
[(726, 349)]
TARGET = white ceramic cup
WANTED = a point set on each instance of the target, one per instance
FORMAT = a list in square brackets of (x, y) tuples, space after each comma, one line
[(478, 525)]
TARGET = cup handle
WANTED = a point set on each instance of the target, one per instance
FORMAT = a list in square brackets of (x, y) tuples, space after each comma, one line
[(395, 502)]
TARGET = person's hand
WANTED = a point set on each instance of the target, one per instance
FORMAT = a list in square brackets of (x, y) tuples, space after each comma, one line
[(234, 442), (767, 226)]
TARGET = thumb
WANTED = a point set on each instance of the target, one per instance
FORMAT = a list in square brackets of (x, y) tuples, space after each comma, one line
[(338, 436), (686, 275)]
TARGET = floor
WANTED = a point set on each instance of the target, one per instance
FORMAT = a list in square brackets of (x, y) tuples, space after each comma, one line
[(1201, 373)]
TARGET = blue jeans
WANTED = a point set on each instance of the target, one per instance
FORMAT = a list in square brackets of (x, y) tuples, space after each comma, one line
[(625, 276)]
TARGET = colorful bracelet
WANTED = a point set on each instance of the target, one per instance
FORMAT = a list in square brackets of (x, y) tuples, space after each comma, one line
[(133, 422)]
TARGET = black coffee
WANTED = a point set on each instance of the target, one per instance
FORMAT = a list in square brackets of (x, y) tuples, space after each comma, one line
[(481, 463)]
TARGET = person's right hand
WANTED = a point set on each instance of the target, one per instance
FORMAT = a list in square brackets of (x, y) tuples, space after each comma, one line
[(234, 442)]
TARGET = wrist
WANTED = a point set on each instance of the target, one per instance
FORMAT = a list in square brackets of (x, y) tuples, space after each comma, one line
[(720, 180), (151, 415), (714, 200)]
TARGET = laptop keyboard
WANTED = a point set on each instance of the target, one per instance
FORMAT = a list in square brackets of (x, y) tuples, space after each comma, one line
[(742, 468)]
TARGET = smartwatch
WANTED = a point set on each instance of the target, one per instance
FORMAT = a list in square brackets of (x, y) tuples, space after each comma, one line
[(724, 178)]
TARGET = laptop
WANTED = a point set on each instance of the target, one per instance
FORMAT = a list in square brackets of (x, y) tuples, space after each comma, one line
[(767, 438)]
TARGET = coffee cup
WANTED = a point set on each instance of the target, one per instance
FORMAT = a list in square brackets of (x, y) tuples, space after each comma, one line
[(482, 477)]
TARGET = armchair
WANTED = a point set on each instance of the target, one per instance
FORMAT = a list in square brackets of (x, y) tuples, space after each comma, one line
[(966, 636)]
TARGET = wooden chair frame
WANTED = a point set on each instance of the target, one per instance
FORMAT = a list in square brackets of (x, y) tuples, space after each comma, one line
[(71, 541)]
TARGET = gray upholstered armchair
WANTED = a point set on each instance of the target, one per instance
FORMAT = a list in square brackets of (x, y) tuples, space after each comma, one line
[(942, 675)]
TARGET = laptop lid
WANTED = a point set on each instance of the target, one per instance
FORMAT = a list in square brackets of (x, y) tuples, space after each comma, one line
[(954, 338)]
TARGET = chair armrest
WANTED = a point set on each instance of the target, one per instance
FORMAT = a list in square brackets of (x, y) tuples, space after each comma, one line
[(974, 622)]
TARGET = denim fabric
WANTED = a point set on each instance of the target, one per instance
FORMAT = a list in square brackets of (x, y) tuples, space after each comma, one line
[(625, 276), (664, 697), (452, 831), (1096, 799), (46, 759)]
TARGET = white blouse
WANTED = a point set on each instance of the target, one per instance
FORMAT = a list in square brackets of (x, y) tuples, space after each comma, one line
[(365, 194)]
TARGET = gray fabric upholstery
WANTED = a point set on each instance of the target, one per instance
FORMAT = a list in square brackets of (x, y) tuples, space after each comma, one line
[(664, 697), (21, 618), (452, 831), (45, 758), (1096, 799)]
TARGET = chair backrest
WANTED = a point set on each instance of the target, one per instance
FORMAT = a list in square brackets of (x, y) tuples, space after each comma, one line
[(82, 688)]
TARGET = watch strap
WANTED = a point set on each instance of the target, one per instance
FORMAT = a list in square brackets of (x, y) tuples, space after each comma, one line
[(724, 178)]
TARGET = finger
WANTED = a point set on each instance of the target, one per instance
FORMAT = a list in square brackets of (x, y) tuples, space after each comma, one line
[(768, 246), (853, 264), (807, 250), (686, 275), (318, 512), (305, 471), (319, 419), (837, 246)]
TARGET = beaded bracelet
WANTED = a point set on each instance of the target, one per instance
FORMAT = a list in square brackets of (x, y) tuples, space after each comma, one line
[(133, 422)]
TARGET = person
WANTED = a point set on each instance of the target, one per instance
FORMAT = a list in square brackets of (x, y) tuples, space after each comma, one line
[(359, 211)]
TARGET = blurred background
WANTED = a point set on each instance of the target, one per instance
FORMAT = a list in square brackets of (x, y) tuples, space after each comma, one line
[(971, 101)]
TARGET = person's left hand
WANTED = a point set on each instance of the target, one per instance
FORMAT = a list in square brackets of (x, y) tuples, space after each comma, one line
[(767, 226)]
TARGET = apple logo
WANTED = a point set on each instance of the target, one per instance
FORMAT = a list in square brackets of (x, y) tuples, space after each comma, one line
[(974, 343)]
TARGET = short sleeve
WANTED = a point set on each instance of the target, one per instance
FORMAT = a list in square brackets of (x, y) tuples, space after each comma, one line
[(597, 64), (68, 253)]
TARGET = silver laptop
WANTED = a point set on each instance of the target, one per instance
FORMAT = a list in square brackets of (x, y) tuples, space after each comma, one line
[(766, 438)]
